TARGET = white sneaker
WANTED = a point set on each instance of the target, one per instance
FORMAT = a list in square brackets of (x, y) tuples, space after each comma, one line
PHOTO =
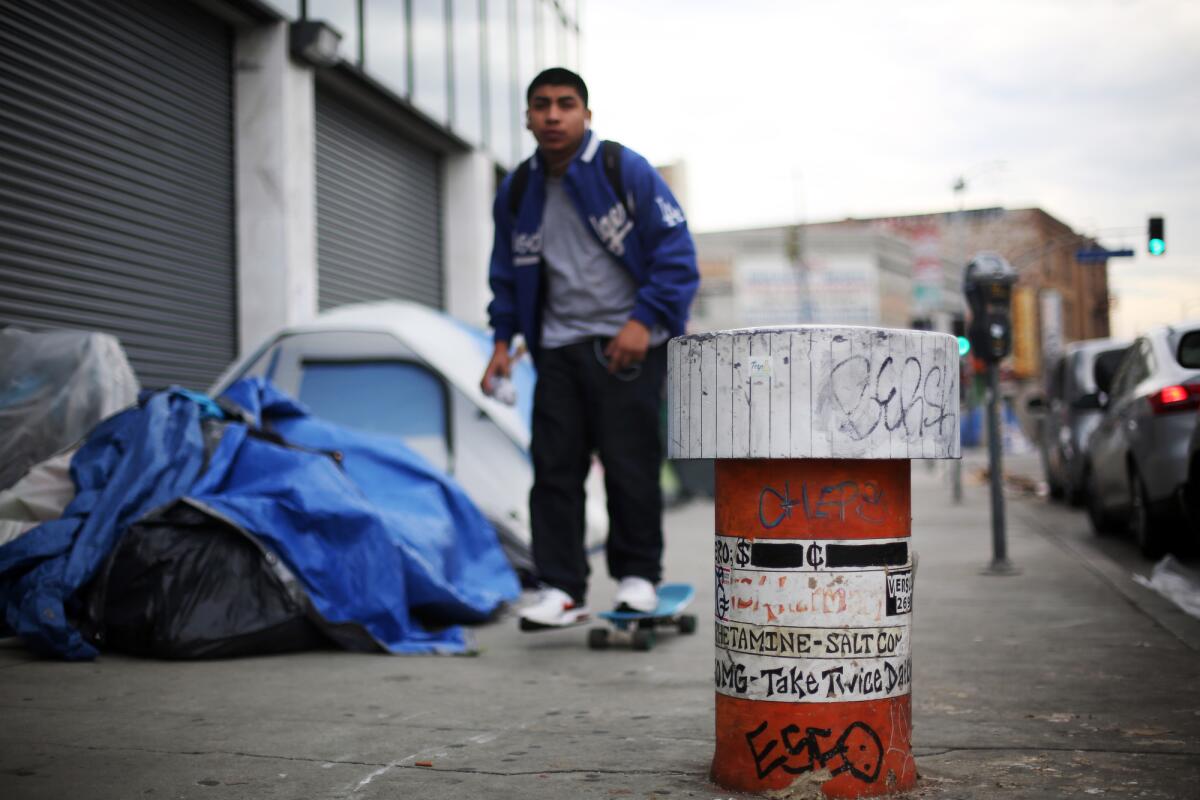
[(553, 608), (636, 594)]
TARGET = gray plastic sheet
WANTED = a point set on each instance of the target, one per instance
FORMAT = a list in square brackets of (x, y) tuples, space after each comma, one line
[(55, 386)]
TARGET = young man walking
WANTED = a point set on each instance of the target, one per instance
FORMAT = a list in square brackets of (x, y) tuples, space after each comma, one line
[(593, 264)]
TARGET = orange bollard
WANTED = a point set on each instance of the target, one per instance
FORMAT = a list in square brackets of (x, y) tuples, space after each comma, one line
[(812, 429)]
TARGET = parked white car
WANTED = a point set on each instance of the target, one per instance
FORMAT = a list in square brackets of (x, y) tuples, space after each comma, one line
[(403, 369)]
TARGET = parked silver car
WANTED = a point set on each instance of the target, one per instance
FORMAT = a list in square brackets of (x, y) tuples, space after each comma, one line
[(1191, 492), (1070, 411), (1189, 356), (1137, 456)]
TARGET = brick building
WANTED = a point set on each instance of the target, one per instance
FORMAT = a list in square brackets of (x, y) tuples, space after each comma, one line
[(1058, 299)]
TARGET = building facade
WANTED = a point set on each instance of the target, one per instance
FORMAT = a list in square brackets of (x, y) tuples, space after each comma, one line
[(906, 271), (1059, 297), (793, 274), (186, 176)]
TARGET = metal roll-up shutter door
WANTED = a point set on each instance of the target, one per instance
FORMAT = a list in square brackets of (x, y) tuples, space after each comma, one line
[(116, 179), (378, 210)]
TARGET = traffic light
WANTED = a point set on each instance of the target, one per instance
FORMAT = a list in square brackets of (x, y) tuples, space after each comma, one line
[(958, 327), (1157, 240)]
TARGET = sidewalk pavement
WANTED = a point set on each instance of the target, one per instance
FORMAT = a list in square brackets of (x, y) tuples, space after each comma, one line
[(1066, 680)]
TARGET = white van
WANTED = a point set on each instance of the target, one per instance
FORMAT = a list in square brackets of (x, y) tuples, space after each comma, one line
[(403, 369)]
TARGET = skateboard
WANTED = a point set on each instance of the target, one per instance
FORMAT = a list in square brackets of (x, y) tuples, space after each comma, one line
[(672, 599)]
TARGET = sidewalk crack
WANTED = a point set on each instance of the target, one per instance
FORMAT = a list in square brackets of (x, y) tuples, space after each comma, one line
[(1128, 751), (239, 753)]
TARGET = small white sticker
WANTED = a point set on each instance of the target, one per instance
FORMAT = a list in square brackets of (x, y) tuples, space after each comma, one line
[(760, 367)]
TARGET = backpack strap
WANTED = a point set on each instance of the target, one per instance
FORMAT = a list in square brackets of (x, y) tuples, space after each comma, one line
[(611, 153), (516, 190)]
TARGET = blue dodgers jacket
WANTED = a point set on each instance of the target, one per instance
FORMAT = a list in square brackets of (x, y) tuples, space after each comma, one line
[(654, 246)]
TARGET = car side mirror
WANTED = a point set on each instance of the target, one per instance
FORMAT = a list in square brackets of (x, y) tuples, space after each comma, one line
[(1105, 368), (1189, 350), (1088, 402)]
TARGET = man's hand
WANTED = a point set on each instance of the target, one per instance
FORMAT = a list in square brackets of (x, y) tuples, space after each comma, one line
[(499, 367), (628, 347)]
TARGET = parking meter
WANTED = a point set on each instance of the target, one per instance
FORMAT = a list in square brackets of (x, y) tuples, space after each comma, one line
[(987, 283)]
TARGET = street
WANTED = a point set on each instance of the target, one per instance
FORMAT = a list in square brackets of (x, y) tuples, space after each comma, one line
[(1066, 680)]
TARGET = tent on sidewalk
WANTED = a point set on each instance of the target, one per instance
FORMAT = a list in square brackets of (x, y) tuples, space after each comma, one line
[(200, 529)]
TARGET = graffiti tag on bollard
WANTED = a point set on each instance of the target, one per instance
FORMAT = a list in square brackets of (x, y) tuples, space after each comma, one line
[(829, 502), (857, 750)]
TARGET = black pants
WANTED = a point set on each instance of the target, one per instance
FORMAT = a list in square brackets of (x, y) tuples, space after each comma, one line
[(578, 409)]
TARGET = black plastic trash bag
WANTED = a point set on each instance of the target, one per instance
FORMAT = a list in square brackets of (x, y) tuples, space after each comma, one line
[(183, 584)]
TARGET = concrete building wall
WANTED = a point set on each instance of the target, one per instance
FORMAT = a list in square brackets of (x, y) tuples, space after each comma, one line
[(275, 107), (275, 185), (469, 185)]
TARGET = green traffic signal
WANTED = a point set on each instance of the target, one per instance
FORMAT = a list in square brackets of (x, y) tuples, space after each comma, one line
[(1156, 239), (964, 346)]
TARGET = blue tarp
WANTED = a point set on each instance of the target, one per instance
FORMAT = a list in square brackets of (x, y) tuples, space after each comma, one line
[(370, 539)]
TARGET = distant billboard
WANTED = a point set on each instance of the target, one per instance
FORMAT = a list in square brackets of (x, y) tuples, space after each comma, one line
[(844, 289), (928, 277), (769, 290)]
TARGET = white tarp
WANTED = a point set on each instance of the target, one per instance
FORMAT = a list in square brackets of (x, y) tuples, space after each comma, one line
[(1175, 582), (40, 496)]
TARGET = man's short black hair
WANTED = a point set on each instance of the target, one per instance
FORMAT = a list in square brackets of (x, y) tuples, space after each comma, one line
[(558, 76)]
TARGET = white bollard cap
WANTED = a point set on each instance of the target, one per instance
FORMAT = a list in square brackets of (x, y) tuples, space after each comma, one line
[(813, 391)]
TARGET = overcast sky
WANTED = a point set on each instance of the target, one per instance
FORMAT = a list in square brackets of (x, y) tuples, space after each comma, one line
[(822, 109)]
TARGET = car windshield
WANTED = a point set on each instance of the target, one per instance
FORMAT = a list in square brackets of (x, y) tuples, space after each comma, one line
[(395, 398)]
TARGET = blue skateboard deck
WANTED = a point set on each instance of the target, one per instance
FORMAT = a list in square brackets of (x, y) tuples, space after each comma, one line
[(673, 598)]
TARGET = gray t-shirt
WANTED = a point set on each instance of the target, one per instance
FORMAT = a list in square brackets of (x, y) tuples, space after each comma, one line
[(589, 293)]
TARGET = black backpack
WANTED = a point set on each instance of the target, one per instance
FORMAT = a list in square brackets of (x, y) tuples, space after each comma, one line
[(611, 158)]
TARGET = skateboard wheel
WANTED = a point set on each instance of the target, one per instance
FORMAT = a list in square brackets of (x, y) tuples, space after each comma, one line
[(643, 639), (598, 638), (687, 623)]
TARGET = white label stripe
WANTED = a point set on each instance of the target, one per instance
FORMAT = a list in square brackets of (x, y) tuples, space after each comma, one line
[(812, 643), (844, 599), (820, 681)]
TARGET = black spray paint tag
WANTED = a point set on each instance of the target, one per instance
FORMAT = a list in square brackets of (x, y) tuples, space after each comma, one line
[(801, 554)]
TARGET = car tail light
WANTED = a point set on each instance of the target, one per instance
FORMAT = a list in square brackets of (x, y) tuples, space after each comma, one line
[(1176, 398)]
